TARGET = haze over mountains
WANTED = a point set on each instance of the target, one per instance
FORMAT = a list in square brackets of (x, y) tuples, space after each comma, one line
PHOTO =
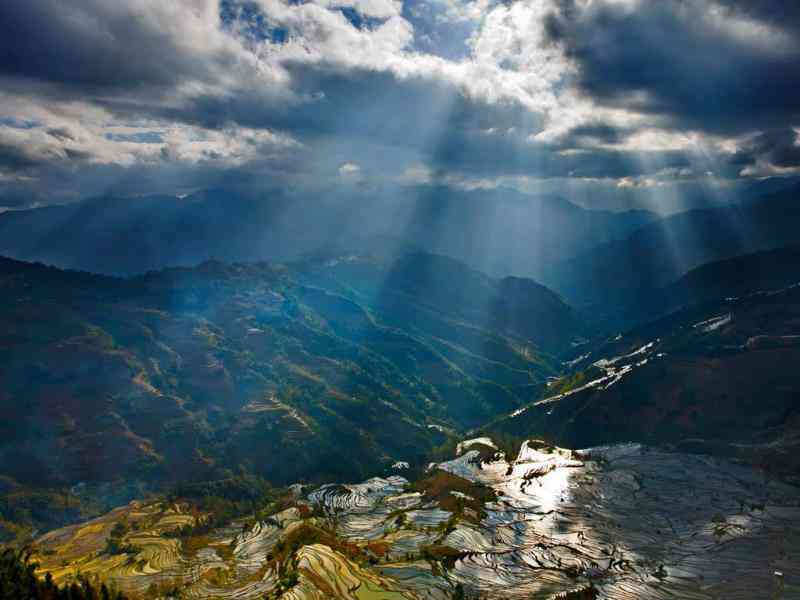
[(221, 351), (519, 233), (660, 252), (204, 383), (355, 341), (575, 251), (717, 376)]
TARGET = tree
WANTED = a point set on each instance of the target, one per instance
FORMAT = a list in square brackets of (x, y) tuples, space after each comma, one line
[(18, 581)]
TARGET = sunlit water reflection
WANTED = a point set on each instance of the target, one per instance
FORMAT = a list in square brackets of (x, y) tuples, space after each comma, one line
[(634, 523)]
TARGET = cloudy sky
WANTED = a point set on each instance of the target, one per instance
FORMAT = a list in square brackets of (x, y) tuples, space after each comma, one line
[(609, 101)]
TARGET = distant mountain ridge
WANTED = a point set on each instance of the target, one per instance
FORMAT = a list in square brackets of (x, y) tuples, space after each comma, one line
[(630, 272), (501, 232), (741, 275), (715, 281), (395, 284)]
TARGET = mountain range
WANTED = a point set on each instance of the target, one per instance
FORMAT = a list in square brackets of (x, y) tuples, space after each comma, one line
[(501, 232), (718, 376), (574, 251), (621, 280), (185, 372)]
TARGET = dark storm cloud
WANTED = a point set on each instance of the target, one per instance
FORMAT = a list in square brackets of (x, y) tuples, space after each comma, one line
[(350, 102), (15, 123), (784, 14), (778, 147), (592, 133), (450, 130), (688, 68), (77, 155), (14, 158), (59, 182), (494, 155), (142, 137), (90, 46), (172, 72)]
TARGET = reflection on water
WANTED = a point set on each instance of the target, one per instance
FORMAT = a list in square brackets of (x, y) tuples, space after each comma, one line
[(549, 490), (632, 522)]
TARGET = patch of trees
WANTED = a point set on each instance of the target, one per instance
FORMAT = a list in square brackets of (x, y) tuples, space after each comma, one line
[(115, 543), (223, 500), (19, 581)]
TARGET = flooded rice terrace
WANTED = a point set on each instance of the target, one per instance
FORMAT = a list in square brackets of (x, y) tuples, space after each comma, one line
[(632, 522), (623, 522)]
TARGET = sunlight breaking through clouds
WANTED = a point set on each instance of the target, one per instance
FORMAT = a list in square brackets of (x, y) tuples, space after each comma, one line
[(474, 90)]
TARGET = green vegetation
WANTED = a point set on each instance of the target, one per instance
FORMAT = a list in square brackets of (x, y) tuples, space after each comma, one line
[(438, 553), (23, 509), (251, 379), (217, 503), (163, 589), (195, 374), (467, 502), (115, 543), (288, 580), (18, 581), (224, 499), (307, 534), (567, 383), (687, 382)]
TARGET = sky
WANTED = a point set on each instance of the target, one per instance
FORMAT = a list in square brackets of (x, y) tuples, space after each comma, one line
[(612, 103)]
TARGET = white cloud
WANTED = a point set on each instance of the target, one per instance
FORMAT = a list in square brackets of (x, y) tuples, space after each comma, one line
[(378, 9), (349, 170), (199, 91)]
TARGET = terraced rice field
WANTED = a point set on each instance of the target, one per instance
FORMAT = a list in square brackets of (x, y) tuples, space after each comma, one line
[(627, 522), (633, 522)]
